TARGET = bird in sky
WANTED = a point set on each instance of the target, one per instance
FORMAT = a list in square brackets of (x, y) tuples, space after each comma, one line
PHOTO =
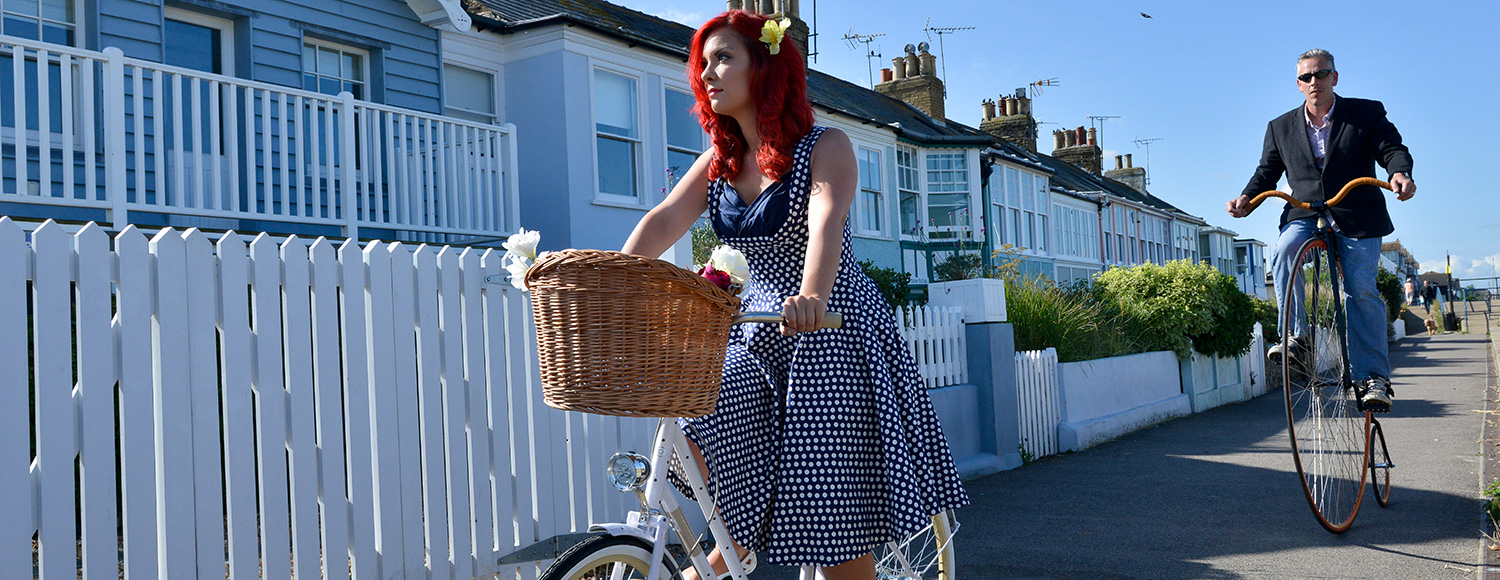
[(1144, 15)]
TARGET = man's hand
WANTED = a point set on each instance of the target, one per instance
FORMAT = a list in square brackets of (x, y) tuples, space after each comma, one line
[(1403, 186), (1238, 207)]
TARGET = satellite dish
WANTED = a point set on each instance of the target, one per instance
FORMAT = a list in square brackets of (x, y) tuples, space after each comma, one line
[(922, 46), (911, 49)]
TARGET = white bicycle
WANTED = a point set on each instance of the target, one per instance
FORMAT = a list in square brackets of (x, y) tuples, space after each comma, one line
[(637, 548)]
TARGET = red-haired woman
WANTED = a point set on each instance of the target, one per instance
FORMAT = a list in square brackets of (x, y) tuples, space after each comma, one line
[(824, 442)]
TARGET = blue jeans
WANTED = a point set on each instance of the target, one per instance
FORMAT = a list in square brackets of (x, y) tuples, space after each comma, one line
[(1362, 302)]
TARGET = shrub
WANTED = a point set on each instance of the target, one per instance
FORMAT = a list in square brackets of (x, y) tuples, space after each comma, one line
[(704, 242), (1069, 319), (1181, 306), (959, 265), (1390, 291), (894, 284), (1268, 317)]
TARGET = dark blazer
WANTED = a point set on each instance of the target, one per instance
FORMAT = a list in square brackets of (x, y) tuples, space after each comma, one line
[(1361, 137)]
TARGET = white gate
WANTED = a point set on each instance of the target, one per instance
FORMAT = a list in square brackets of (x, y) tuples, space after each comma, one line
[(1038, 400), (936, 337), (283, 409)]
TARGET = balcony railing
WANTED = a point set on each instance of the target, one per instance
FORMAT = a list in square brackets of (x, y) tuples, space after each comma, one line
[(100, 130)]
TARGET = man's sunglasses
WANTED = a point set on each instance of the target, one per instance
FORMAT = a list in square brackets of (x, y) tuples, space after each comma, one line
[(1308, 77)]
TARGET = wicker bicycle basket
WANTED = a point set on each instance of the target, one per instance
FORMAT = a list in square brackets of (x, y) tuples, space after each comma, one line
[(624, 335)]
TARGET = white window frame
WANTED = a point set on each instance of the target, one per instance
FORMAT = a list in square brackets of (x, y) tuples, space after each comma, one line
[(667, 146), (961, 231), (639, 200), (78, 30), (880, 192), (494, 91), (364, 63), (916, 168), (225, 27)]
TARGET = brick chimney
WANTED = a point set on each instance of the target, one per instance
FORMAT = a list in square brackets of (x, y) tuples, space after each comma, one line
[(915, 81), (1080, 147), (1124, 172), (788, 8), (1009, 118)]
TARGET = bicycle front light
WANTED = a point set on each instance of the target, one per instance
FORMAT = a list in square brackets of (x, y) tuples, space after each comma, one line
[(627, 471)]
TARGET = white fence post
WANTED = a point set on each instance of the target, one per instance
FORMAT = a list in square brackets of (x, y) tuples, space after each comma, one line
[(347, 197), (114, 136)]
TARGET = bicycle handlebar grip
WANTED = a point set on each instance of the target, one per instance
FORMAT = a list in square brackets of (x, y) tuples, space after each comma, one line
[(830, 319)]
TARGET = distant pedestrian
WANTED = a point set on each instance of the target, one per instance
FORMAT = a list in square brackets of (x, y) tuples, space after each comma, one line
[(1325, 142), (1429, 293), (1411, 289)]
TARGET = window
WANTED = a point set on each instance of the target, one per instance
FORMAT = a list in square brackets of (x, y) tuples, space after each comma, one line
[(684, 135), (469, 94), (909, 188), (947, 194), (53, 21), (871, 204), (331, 69), (617, 136), (197, 41), (1022, 212)]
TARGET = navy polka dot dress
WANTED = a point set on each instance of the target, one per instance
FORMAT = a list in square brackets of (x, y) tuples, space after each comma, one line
[(823, 445)]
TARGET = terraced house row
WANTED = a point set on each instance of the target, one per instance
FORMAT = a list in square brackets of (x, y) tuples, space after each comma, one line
[(460, 122)]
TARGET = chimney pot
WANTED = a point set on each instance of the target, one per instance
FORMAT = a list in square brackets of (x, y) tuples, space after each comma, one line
[(1070, 138), (989, 109), (1119, 162), (898, 66), (929, 63), (912, 68), (1093, 136), (885, 75), (1128, 164), (1025, 106), (1082, 137), (1057, 139)]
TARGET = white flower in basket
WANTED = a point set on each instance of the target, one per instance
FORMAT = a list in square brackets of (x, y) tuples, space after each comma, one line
[(520, 254), (731, 261)]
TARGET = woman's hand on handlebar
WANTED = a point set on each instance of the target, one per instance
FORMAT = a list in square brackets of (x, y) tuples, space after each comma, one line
[(803, 313), (1238, 207)]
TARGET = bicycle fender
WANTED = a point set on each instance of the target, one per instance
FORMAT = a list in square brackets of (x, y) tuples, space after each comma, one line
[(624, 530)]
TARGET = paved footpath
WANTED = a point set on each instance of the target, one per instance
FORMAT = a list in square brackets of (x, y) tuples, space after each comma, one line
[(1215, 495)]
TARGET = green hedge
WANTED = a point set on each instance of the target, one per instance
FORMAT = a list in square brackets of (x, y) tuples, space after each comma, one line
[(1181, 307)]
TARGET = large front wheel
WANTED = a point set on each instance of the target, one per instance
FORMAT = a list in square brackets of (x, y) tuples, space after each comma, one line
[(609, 558), (1328, 427), (925, 555)]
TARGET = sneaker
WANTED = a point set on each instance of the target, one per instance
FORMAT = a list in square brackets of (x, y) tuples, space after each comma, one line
[(1378, 394), (1278, 352)]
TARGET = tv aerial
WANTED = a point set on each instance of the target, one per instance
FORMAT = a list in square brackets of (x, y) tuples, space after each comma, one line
[(941, 31), (1036, 87), (1147, 144), (851, 39), (1097, 121)]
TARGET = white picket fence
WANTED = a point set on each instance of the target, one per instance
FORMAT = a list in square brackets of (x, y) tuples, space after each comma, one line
[(936, 338), (284, 410), (1038, 400), (155, 138)]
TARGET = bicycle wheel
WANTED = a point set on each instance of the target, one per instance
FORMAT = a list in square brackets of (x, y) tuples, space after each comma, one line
[(1328, 428), (927, 554), (1380, 465), (608, 558)]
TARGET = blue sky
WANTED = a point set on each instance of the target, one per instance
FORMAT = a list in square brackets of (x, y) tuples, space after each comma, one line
[(1205, 78)]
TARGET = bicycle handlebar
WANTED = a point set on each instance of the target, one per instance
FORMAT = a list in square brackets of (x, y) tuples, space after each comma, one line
[(1254, 203), (830, 319)]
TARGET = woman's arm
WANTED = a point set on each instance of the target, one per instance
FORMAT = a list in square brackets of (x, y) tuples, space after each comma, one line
[(669, 220), (835, 175)]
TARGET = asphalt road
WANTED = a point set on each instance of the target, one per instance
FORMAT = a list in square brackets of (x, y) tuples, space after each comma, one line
[(1215, 495)]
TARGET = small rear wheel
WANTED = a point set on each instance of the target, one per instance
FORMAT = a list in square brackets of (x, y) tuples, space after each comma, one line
[(609, 558), (1380, 465), (925, 555)]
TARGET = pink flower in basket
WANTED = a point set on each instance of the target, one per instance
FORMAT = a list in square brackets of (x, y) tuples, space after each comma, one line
[(719, 278)]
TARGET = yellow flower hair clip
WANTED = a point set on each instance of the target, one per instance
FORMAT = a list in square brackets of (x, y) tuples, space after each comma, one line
[(773, 32)]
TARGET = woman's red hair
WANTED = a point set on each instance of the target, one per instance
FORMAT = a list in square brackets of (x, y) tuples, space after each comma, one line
[(778, 87)]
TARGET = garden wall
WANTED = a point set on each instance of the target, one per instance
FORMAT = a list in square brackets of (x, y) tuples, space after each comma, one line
[(1105, 398)]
